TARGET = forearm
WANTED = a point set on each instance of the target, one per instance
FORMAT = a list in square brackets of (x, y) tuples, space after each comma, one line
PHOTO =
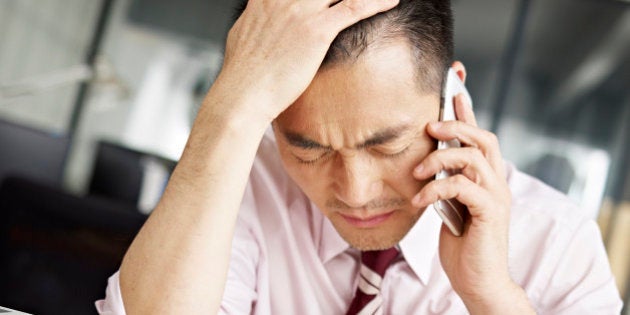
[(179, 260)]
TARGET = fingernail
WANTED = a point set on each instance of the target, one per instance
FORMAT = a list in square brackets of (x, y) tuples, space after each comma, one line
[(416, 200), (418, 169), (436, 125), (461, 99)]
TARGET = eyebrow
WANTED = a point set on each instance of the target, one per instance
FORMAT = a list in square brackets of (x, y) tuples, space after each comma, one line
[(379, 137)]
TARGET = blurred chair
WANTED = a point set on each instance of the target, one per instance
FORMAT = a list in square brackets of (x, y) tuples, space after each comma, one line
[(32, 153), (127, 175), (57, 250), (557, 171)]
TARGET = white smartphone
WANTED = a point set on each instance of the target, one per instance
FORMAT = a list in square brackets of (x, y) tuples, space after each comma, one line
[(453, 213)]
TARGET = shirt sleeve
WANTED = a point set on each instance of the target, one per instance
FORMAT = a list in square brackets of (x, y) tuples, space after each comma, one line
[(240, 295), (582, 282), (112, 304), (240, 289)]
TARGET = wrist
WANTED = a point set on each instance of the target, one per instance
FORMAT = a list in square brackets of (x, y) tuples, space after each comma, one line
[(509, 298), (243, 98), (234, 107)]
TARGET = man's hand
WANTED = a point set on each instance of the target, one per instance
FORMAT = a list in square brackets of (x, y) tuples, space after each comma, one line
[(477, 262), (275, 48)]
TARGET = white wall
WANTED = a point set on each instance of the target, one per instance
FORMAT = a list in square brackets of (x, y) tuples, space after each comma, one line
[(141, 92), (39, 38), (147, 101)]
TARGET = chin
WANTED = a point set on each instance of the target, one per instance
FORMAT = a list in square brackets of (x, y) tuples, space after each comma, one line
[(387, 236), (370, 246)]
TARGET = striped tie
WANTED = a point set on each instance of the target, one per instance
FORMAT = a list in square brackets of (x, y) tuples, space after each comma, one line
[(367, 300)]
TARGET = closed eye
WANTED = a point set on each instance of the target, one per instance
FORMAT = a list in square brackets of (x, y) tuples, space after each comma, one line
[(312, 158), (391, 153)]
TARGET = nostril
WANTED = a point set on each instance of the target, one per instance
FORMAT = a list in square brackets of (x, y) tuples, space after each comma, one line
[(358, 194)]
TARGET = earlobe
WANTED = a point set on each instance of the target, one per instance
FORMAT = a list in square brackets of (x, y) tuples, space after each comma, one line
[(460, 70)]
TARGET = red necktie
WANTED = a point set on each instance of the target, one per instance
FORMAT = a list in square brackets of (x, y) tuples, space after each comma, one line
[(367, 300)]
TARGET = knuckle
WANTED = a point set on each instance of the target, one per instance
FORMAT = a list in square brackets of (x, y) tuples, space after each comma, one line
[(469, 155), (295, 9), (477, 155), (438, 161), (460, 179), (354, 6), (492, 139)]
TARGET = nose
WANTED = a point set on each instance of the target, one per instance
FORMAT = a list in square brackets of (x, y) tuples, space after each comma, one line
[(357, 180)]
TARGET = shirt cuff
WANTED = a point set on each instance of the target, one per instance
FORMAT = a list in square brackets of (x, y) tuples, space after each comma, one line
[(113, 303)]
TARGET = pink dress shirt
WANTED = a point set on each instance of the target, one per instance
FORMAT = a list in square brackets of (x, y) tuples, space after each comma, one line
[(288, 259)]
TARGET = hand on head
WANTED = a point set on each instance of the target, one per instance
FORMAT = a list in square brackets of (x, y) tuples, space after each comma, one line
[(275, 48)]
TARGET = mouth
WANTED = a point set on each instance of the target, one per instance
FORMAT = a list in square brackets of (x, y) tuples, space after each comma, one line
[(367, 222)]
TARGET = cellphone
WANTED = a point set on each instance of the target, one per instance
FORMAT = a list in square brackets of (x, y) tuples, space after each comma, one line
[(453, 213)]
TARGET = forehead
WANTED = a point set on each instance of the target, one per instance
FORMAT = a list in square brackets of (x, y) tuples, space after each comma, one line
[(378, 89)]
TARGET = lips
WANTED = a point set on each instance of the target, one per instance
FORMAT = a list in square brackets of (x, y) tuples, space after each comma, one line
[(367, 222)]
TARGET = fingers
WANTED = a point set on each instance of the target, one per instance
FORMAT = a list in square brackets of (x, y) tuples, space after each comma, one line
[(348, 12), (456, 187), (481, 176), (471, 136), (467, 134), (470, 161), (463, 110)]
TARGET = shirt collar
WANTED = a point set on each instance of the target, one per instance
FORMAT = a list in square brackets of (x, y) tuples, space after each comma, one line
[(420, 245)]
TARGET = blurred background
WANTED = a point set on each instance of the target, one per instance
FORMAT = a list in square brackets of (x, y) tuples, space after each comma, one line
[(97, 98)]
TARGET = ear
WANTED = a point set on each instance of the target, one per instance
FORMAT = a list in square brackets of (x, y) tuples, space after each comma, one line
[(460, 70)]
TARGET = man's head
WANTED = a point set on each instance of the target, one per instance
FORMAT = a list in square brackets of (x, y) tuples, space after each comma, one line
[(425, 25), (352, 139)]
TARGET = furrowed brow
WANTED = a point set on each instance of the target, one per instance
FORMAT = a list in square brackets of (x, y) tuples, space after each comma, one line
[(298, 140), (380, 137), (384, 136)]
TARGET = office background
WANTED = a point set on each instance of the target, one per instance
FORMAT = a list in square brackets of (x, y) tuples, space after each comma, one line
[(97, 98)]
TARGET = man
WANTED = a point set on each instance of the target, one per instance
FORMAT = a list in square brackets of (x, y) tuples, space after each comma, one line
[(345, 179)]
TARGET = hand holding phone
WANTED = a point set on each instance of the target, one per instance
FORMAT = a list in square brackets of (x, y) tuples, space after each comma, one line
[(476, 261), (453, 213)]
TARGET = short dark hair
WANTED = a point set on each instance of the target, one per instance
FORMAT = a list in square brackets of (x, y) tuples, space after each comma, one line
[(427, 25)]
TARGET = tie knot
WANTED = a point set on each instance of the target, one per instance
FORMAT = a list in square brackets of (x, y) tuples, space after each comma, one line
[(379, 260)]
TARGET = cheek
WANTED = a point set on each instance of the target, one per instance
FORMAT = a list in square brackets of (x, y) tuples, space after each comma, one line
[(399, 177), (398, 172)]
